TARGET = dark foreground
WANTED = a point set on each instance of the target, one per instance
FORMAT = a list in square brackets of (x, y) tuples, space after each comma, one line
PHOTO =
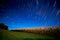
[(9, 35)]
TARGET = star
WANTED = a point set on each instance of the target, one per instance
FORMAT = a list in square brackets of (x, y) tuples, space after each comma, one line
[(45, 17), (12, 22), (58, 12), (54, 4), (37, 2), (7, 16)]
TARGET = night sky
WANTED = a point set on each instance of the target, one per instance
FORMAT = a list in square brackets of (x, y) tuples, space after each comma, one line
[(29, 13)]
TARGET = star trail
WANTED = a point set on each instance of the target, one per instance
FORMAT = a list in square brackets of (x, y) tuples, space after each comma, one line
[(29, 13)]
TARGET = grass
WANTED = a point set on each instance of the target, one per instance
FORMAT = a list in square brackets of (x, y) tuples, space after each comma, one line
[(9, 35)]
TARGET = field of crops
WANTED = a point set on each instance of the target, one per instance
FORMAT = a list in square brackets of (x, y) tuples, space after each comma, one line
[(9, 35)]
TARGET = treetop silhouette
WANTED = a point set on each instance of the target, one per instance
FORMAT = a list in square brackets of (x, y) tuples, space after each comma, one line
[(3, 26)]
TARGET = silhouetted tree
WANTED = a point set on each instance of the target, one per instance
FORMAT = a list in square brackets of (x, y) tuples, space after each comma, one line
[(3, 26)]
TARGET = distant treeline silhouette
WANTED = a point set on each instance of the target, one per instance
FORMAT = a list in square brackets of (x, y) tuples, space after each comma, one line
[(43, 31), (3, 26)]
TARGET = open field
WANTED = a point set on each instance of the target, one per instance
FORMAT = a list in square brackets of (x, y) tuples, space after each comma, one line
[(55, 31), (9, 35)]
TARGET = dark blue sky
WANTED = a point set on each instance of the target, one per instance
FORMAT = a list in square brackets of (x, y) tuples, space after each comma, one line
[(29, 13)]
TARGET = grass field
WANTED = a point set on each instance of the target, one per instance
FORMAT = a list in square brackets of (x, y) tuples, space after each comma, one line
[(9, 35)]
